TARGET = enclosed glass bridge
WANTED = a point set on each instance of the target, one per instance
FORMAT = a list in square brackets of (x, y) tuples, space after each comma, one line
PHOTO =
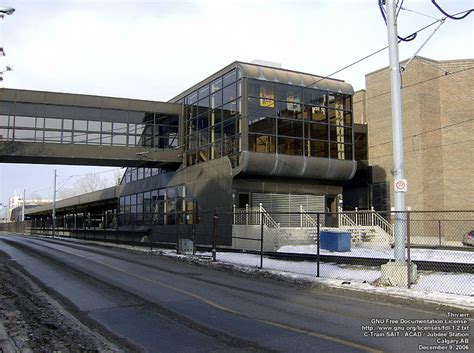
[(58, 128)]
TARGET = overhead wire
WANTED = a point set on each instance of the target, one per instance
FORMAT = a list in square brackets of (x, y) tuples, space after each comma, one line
[(452, 17), (416, 83)]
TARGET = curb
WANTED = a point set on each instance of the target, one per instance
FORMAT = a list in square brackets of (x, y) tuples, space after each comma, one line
[(6, 345)]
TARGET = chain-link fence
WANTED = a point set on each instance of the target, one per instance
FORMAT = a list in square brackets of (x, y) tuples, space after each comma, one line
[(346, 246)]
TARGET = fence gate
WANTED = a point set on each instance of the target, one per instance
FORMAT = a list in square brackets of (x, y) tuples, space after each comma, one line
[(275, 203)]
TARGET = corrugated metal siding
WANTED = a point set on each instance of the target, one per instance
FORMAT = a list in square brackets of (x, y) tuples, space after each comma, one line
[(276, 204)]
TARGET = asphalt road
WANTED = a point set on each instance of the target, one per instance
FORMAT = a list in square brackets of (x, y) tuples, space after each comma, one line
[(163, 305)]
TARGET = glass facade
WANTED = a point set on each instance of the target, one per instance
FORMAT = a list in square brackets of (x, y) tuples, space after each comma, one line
[(27, 122), (134, 174), (298, 121), (163, 206), (213, 123)]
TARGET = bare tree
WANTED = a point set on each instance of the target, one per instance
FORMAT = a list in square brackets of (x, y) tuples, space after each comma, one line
[(86, 183)]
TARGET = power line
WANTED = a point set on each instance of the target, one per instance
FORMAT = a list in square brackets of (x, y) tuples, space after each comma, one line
[(453, 17), (415, 84), (425, 132), (367, 56), (424, 149)]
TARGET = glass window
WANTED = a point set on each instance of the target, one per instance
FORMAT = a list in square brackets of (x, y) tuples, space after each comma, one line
[(216, 132), (93, 139), (133, 197), (335, 100), (336, 117), (216, 85), (229, 128), (39, 123), (348, 152), (192, 98), (80, 137), (317, 149), (337, 150), (23, 121), (229, 93), (261, 143), (289, 110), (216, 150), (203, 105), (51, 136), (255, 107), (52, 123), (106, 140), (27, 135), (348, 118), (216, 116), (347, 102), (203, 122), (5, 120), (288, 127), (216, 99), (262, 89), (119, 140), (230, 77), (94, 126), (314, 97), (203, 91), (262, 125), (288, 93), (316, 131), (203, 137), (119, 128), (80, 125), (67, 137), (67, 124), (291, 146), (230, 146), (315, 113)]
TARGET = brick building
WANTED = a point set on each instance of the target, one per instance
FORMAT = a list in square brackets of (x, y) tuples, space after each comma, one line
[(438, 125)]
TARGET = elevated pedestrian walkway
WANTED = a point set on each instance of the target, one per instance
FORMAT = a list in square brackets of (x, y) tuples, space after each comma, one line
[(39, 127)]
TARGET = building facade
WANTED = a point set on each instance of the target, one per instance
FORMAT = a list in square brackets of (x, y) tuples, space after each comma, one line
[(251, 135), (438, 122)]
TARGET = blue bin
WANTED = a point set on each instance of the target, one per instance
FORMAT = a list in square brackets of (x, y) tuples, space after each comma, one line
[(335, 241)]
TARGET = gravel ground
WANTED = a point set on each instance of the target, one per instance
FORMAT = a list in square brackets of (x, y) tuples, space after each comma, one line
[(35, 322)]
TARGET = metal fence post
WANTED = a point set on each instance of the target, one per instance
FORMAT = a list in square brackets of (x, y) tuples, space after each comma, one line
[(261, 238), (317, 244), (301, 216), (439, 231), (246, 214), (177, 232), (408, 250), (194, 235), (214, 236)]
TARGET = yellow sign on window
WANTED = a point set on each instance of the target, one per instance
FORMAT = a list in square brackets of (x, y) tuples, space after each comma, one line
[(266, 97)]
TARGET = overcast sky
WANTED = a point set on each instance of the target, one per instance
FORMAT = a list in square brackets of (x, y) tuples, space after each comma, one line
[(156, 49)]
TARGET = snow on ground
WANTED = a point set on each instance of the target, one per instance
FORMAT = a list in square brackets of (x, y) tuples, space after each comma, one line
[(454, 289), (415, 254)]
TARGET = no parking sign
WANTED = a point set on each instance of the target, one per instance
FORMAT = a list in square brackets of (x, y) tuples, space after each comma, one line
[(401, 185)]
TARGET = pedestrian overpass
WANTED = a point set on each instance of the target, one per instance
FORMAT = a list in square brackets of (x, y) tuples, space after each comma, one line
[(39, 127)]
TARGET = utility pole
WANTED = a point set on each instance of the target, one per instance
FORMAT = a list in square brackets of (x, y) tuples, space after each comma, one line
[(397, 273), (54, 204), (397, 130), (23, 207)]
